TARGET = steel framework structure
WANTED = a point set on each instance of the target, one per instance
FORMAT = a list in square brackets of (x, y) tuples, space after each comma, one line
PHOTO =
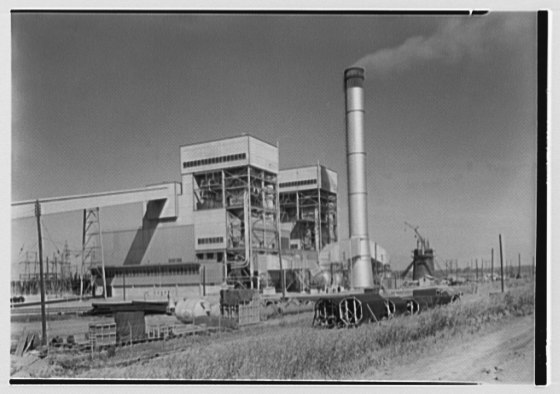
[(313, 217), (249, 197)]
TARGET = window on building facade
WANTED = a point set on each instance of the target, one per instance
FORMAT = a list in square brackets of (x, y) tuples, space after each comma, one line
[(214, 160), (299, 183)]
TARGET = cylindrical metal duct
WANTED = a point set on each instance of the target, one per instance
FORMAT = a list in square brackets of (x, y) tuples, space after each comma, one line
[(362, 275)]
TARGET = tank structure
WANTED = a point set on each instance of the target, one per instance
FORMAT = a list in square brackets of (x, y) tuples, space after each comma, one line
[(189, 308)]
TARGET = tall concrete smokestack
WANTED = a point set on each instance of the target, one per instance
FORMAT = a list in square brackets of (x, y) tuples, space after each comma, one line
[(362, 275)]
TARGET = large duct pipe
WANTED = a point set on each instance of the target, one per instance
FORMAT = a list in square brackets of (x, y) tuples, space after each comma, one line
[(362, 275)]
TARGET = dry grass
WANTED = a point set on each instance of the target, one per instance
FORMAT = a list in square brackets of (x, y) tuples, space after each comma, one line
[(300, 352)]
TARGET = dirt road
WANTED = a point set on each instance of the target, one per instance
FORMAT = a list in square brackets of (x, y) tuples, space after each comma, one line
[(500, 355)]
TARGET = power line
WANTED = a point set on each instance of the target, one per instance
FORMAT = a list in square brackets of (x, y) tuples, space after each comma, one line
[(58, 245), (48, 234)]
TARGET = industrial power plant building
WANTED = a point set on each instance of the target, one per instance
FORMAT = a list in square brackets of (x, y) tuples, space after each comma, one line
[(227, 227), (234, 218)]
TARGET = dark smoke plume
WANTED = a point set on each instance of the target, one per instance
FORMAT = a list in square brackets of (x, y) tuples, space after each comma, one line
[(454, 40)]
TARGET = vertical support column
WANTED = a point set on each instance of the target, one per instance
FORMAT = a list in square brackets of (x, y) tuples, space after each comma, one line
[(317, 230), (204, 281), (297, 206), (223, 182), (102, 257), (83, 256), (225, 265), (249, 225), (319, 234), (92, 254), (279, 232)]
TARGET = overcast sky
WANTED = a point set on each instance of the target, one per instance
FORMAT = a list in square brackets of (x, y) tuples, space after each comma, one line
[(103, 102)]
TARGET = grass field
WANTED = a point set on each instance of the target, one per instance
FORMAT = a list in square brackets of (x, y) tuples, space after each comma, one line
[(292, 350)]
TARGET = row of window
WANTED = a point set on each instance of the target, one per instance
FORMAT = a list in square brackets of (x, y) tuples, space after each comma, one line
[(210, 240), (214, 160), (190, 270), (299, 183)]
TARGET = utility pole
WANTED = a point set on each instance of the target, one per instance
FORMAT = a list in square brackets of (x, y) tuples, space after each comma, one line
[(41, 281), (502, 262), (476, 264), (519, 265), (510, 268), (47, 280), (492, 272)]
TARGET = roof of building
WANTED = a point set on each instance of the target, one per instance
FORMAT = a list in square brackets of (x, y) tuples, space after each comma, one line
[(145, 267), (164, 280), (247, 135), (306, 166)]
